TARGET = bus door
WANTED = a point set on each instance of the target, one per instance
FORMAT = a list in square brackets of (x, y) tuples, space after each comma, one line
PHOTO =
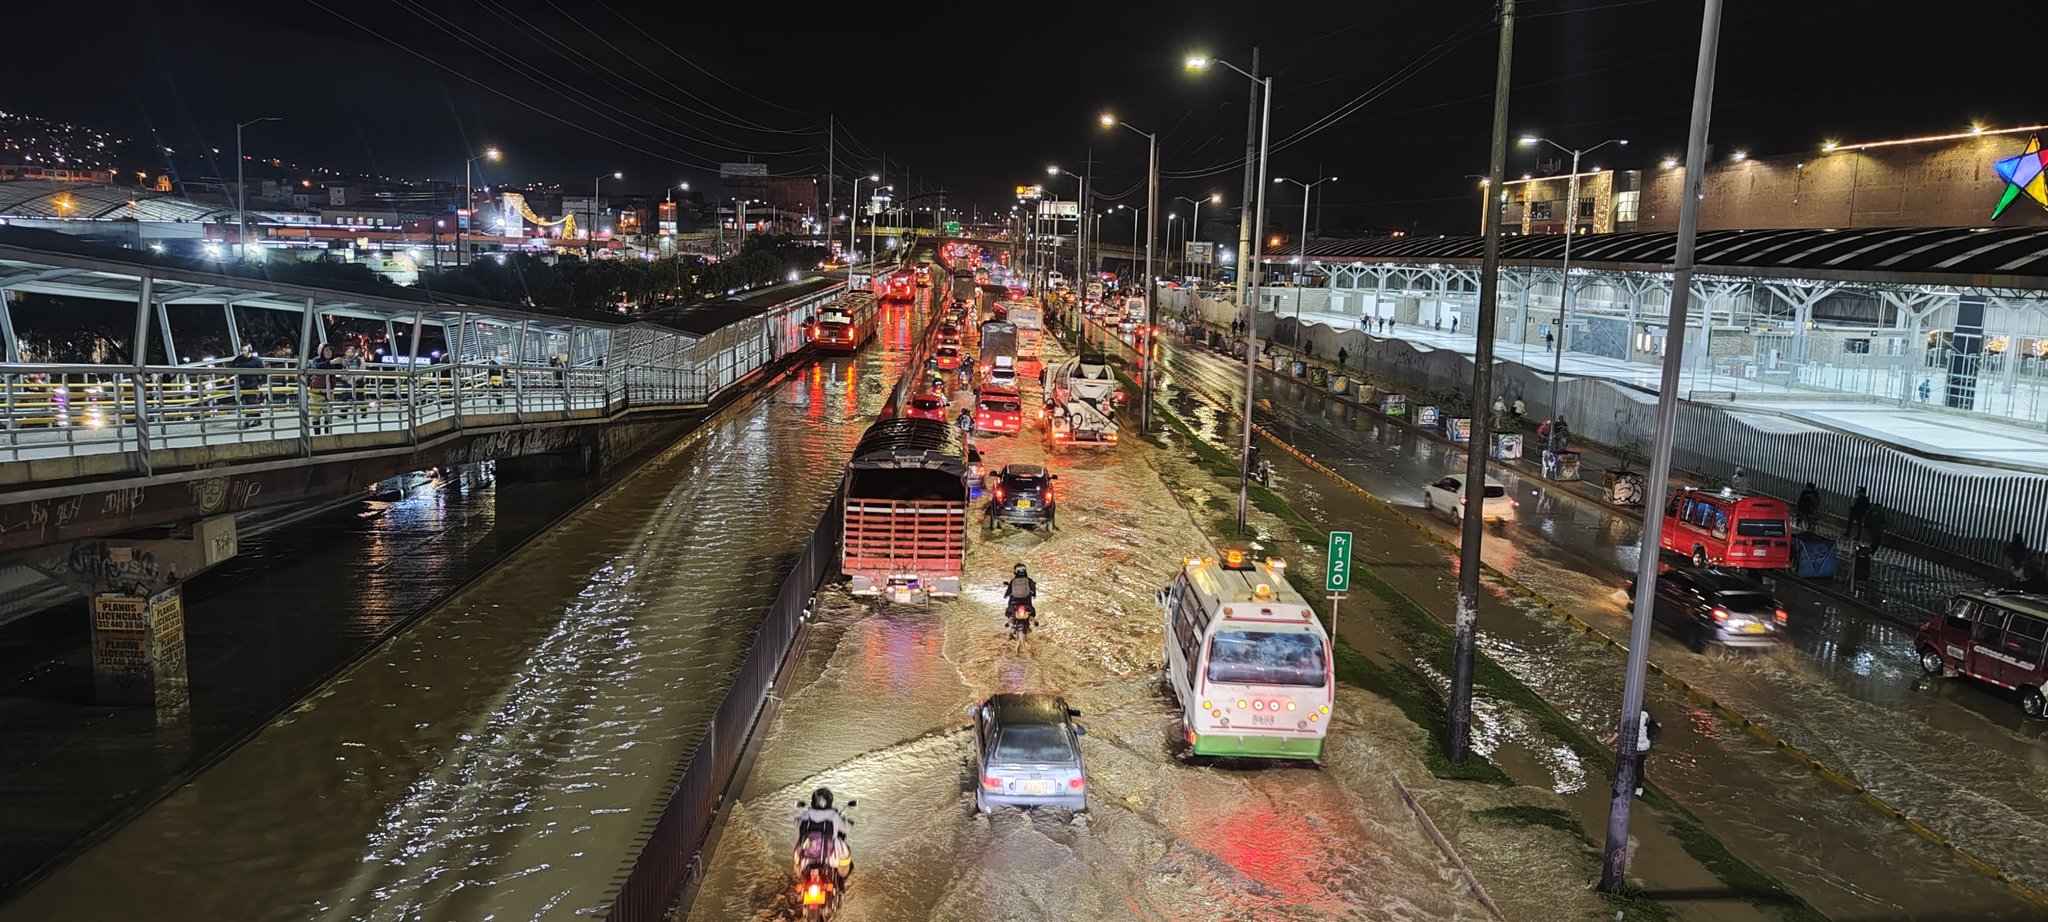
[(1987, 643)]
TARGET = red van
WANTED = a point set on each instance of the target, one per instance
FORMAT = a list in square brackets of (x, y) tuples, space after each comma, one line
[(1994, 636), (1728, 529)]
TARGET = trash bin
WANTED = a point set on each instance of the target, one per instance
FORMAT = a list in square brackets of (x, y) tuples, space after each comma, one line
[(1298, 368), (1426, 417), (1507, 446), (1319, 376), (1561, 465), (1624, 488), (1459, 429), (1340, 385), (1863, 555)]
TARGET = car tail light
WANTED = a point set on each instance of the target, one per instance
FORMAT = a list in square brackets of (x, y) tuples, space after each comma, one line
[(1720, 614), (991, 782), (1077, 783), (1782, 617)]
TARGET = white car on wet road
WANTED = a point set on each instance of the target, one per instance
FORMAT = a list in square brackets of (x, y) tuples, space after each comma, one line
[(1448, 493)]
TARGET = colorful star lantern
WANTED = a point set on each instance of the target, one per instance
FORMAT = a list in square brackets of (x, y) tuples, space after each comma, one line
[(2024, 173)]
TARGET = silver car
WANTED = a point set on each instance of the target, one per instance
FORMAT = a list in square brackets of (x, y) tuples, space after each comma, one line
[(1027, 753)]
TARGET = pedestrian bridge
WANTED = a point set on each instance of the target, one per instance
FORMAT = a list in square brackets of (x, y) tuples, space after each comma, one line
[(122, 404)]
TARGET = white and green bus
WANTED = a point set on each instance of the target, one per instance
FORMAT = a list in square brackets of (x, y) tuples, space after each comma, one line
[(1248, 660)]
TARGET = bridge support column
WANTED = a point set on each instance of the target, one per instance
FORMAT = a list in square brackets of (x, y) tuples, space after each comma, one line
[(138, 608)]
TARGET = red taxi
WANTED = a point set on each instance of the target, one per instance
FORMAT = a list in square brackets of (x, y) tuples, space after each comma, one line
[(998, 410), (948, 357), (926, 406)]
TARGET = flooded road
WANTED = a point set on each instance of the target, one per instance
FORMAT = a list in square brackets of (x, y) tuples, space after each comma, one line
[(876, 712), (495, 759), (1846, 689)]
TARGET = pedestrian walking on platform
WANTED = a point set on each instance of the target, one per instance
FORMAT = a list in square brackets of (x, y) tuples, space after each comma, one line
[(1925, 390), (1549, 341), (1873, 526), (1454, 324), (1858, 508), (1809, 505), (1343, 357), (2016, 552)]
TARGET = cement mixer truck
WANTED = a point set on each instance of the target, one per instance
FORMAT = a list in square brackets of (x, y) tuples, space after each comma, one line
[(1081, 395)]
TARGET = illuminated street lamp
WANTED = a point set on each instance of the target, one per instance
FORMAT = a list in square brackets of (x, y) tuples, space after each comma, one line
[(1250, 228), (1301, 258), (852, 227), (1151, 279), (1571, 229), (469, 192)]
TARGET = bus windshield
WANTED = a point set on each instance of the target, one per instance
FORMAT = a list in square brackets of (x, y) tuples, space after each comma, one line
[(1266, 658)]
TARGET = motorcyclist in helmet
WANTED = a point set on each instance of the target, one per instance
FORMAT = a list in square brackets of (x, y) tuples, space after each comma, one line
[(1022, 590), (831, 824)]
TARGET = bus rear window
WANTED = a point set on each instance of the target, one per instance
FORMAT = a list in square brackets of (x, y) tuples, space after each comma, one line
[(1760, 528), (1266, 658)]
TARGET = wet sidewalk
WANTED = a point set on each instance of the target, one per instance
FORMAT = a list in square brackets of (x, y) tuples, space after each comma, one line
[(1907, 583)]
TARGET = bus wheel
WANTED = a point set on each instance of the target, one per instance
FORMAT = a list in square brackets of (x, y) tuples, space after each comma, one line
[(1930, 662), (1699, 556), (2032, 703)]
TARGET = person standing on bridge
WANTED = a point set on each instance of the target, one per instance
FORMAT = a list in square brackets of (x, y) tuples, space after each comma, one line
[(1809, 505), (1343, 357), (2016, 553), (249, 387)]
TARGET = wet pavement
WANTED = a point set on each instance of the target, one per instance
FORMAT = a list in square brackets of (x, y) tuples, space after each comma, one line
[(876, 712), (495, 759), (1847, 688)]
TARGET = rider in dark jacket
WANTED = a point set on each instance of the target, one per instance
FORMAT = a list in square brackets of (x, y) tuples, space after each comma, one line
[(1022, 590)]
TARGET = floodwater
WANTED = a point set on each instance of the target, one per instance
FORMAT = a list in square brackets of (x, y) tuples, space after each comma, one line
[(1846, 688), (496, 759), (310, 590), (877, 713)]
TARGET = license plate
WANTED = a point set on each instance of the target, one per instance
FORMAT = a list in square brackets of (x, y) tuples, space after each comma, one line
[(1023, 504), (1759, 552), (1038, 788), (1753, 628), (1262, 720)]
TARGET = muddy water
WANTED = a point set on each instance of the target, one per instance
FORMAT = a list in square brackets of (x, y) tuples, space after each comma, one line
[(877, 714), (496, 759), (1846, 689)]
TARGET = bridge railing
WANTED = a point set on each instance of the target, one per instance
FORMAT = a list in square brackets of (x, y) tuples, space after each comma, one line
[(55, 411)]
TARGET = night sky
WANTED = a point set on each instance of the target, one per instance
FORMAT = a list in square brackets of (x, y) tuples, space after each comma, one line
[(975, 98)]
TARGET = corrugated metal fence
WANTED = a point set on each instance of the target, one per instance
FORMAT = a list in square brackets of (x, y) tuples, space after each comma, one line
[(1966, 510)]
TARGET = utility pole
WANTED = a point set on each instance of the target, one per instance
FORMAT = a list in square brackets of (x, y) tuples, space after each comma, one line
[(1151, 284), (1476, 447), (831, 174), (1615, 867)]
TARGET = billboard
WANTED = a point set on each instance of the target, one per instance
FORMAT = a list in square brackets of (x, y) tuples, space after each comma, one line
[(730, 170), (1201, 251), (1059, 209)]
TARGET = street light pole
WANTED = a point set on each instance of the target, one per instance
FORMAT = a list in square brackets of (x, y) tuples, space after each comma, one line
[(1151, 278), (469, 198), (590, 233), (1613, 869), (1301, 260), (1571, 229), (853, 227), (242, 189), (1251, 234), (1464, 648)]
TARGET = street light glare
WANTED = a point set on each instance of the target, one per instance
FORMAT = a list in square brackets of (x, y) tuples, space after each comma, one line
[(874, 178), (1530, 140), (1052, 171), (617, 174), (1215, 198), (493, 153), (1108, 120), (1198, 62)]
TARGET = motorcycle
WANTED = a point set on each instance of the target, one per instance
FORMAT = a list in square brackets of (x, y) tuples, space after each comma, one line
[(1021, 618), (818, 894), (822, 860)]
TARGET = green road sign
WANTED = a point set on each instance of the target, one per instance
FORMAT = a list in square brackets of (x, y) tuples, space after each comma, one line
[(1339, 575), (952, 228)]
